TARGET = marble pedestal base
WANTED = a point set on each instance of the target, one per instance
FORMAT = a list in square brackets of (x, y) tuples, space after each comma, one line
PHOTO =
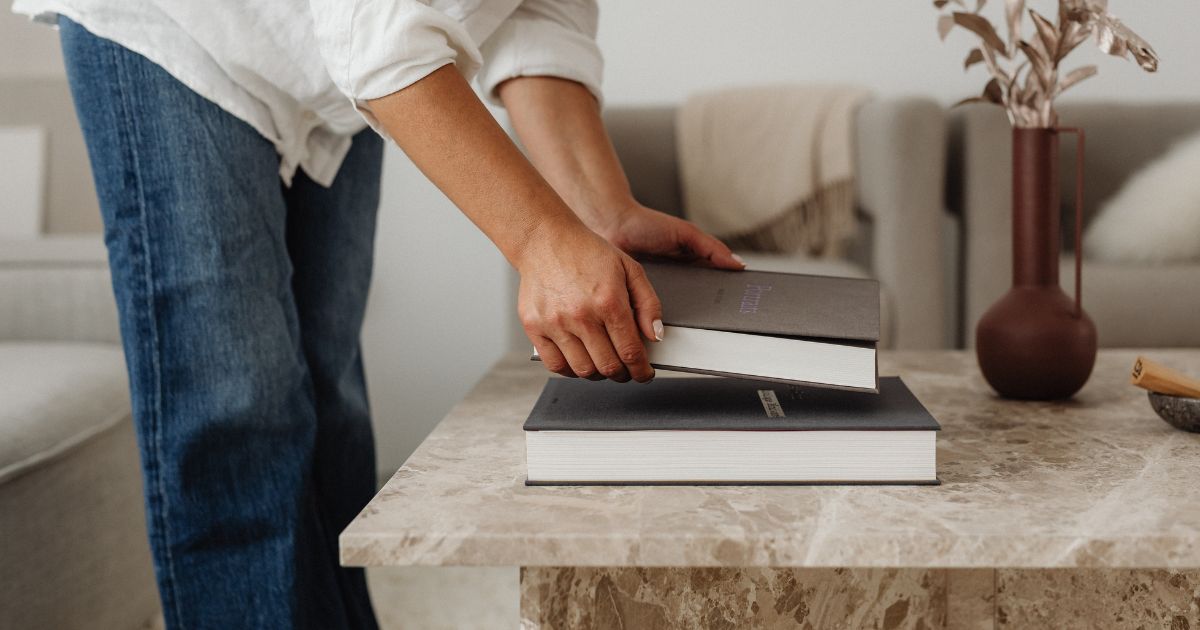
[(662, 598)]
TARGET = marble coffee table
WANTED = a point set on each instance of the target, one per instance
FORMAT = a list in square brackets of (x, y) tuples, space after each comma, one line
[(1077, 514)]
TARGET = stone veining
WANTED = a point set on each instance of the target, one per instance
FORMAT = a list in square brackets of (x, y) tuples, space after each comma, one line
[(1096, 482)]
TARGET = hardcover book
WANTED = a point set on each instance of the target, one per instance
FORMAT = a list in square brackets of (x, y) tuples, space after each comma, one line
[(791, 328), (786, 327), (727, 431)]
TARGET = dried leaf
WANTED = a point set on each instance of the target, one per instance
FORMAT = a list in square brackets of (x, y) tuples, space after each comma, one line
[(973, 57), (1071, 38), (1011, 91), (1075, 76), (989, 58), (1085, 6), (1083, 10), (1039, 64), (983, 28), (1047, 117), (1013, 10), (993, 93), (1116, 39), (1031, 93), (945, 24), (1047, 34), (972, 100), (1028, 92), (1036, 42), (1026, 116), (1026, 95)]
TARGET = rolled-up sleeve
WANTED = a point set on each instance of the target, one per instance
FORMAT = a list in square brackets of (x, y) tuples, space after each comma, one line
[(373, 48), (554, 38)]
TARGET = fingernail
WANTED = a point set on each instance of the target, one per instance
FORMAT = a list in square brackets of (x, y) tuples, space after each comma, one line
[(658, 329), (739, 259)]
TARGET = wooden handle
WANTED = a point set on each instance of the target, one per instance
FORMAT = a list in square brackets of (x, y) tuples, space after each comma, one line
[(1159, 378)]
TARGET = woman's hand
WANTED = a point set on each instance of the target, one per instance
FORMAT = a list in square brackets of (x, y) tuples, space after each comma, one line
[(640, 231), (586, 306)]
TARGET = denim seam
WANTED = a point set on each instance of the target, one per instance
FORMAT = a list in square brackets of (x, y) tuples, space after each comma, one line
[(155, 347)]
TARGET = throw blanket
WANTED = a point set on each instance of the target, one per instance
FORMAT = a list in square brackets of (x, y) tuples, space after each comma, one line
[(771, 168)]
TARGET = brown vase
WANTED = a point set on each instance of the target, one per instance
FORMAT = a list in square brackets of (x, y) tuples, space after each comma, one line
[(1036, 343)]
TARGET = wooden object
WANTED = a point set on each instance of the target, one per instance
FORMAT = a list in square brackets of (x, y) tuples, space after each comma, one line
[(1157, 377)]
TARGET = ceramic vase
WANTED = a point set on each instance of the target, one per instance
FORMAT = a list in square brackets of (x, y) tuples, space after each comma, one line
[(1036, 342)]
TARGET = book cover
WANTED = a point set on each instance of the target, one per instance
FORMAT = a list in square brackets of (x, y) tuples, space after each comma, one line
[(767, 303), (724, 404)]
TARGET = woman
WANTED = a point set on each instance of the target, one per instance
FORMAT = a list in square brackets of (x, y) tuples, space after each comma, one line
[(239, 190)]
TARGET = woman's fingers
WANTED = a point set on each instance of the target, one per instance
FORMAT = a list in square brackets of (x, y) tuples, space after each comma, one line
[(602, 353), (622, 334), (708, 247), (647, 310), (577, 356), (552, 357)]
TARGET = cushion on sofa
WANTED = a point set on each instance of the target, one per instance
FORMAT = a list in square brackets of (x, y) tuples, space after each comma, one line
[(62, 290), (1144, 306), (1155, 217), (56, 396), (72, 527)]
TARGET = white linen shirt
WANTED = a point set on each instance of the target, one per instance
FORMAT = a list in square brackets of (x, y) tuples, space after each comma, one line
[(297, 70)]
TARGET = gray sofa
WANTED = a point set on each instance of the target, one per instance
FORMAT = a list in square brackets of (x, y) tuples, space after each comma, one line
[(73, 548), (1132, 305), (900, 149)]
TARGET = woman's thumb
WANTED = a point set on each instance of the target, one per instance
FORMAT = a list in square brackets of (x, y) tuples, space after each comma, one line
[(647, 310)]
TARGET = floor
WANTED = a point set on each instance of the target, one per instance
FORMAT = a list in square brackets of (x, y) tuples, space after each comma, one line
[(450, 598)]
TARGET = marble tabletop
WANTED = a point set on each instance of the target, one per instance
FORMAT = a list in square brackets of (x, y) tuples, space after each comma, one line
[(1096, 482)]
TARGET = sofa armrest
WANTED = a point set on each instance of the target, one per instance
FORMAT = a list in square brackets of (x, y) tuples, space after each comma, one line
[(56, 289), (982, 178), (901, 157), (644, 139)]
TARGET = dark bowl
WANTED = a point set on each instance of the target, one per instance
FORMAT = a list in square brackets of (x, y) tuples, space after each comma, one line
[(1180, 412)]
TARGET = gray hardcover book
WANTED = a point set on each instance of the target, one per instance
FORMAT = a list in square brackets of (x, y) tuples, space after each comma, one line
[(782, 327), (768, 303), (727, 431)]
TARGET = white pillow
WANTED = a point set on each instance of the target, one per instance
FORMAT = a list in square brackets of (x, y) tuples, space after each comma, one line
[(1155, 217)]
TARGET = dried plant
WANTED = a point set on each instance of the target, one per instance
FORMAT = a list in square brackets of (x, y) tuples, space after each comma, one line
[(1026, 88)]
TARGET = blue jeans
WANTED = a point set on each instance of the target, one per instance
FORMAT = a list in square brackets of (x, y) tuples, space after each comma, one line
[(241, 303)]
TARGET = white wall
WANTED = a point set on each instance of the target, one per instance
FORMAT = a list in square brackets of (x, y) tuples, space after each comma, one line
[(438, 315), (27, 51), (661, 50)]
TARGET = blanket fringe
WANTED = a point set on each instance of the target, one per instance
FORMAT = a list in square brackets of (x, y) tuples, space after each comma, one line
[(820, 226)]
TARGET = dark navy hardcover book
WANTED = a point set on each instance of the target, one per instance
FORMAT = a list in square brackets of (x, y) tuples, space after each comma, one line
[(724, 404)]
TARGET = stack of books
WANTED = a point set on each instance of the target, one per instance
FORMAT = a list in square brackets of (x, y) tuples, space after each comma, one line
[(799, 401)]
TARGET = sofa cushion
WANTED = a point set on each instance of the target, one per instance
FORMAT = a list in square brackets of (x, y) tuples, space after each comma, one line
[(1144, 306), (56, 289), (57, 396), (1155, 217)]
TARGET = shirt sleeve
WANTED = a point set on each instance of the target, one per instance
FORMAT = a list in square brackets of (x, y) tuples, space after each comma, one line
[(555, 38), (373, 48)]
